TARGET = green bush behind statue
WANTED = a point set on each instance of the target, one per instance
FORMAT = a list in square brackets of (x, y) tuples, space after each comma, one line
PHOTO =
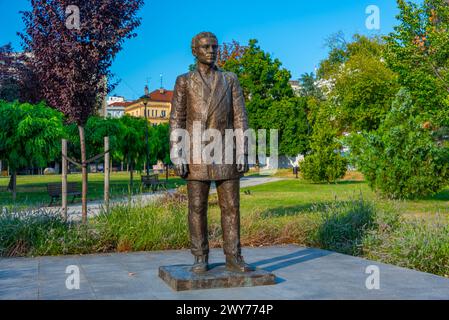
[(403, 159)]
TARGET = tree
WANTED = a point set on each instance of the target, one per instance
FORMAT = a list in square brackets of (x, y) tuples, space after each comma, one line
[(17, 81), (289, 116), (309, 87), (230, 51), (29, 136), (9, 83), (418, 51), (325, 161), (402, 159), (363, 87), (96, 129), (72, 61), (160, 143), (263, 81), (132, 142)]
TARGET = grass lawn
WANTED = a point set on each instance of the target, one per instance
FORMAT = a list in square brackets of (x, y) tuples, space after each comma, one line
[(292, 196), (32, 190), (345, 217), (280, 198)]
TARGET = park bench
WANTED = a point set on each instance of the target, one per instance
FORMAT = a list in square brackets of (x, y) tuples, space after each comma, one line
[(55, 191), (152, 181)]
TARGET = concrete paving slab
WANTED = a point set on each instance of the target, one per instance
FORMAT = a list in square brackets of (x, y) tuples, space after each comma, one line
[(302, 273)]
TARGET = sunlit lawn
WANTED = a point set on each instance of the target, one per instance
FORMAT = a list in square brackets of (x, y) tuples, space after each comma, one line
[(292, 196), (285, 197), (32, 190)]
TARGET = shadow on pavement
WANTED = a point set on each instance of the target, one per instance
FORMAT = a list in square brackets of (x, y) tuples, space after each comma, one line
[(287, 260)]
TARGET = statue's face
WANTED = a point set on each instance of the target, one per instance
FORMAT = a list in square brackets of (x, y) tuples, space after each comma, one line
[(206, 50)]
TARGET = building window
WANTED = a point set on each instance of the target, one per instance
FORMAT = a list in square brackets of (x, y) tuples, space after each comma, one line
[(163, 113)]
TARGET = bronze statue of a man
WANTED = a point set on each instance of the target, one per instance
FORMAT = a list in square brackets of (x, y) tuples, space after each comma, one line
[(211, 99)]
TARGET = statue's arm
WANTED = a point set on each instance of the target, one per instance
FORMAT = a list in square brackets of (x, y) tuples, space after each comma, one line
[(238, 102), (240, 122), (178, 116)]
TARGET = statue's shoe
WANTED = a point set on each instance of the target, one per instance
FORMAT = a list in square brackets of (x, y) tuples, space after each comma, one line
[(201, 264), (237, 264)]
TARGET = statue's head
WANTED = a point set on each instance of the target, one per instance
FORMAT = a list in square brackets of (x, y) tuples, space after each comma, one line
[(205, 48)]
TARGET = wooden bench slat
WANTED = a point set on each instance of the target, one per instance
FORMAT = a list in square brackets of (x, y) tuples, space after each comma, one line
[(153, 182), (55, 190)]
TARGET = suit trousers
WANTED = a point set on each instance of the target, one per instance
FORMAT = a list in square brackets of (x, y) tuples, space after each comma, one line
[(229, 201)]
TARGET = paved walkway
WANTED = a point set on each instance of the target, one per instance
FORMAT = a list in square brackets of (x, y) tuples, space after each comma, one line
[(94, 207), (302, 273)]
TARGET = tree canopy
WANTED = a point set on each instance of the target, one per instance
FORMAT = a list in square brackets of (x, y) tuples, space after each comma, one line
[(418, 51), (72, 64), (30, 135)]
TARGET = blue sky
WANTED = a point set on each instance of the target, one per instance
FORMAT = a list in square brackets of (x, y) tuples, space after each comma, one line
[(292, 30)]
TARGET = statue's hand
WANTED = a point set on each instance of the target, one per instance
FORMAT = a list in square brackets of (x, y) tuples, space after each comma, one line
[(182, 168), (242, 164)]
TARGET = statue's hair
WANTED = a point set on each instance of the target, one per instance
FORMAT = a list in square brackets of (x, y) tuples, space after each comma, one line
[(201, 35)]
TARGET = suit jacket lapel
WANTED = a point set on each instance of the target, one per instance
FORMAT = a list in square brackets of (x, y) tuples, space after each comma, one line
[(201, 90), (197, 84), (211, 97), (219, 89)]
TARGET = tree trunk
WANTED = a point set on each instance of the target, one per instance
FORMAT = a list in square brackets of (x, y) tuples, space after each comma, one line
[(84, 174), (131, 176), (131, 172), (106, 171), (12, 185), (64, 180)]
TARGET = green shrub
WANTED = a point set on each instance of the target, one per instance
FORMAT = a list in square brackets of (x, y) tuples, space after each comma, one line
[(402, 159), (324, 163), (344, 225)]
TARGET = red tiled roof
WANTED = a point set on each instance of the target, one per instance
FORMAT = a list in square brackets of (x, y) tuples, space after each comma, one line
[(161, 95), (121, 104)]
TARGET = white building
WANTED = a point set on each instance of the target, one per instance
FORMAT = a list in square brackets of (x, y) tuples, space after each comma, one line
[(116, 109), (113, 99), (296, 87)]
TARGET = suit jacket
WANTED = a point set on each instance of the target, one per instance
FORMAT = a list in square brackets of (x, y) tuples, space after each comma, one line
[(220, 106)]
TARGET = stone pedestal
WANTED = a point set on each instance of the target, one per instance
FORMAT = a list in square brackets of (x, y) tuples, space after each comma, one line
[(181, 278)]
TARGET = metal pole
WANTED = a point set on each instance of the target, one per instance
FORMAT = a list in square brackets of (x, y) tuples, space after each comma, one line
[(147, 165), (64, 179)]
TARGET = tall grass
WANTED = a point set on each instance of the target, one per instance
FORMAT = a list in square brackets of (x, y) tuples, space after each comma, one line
[(156, 226), (417, 244), (344, 225), (356, 227), (35, 233)]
